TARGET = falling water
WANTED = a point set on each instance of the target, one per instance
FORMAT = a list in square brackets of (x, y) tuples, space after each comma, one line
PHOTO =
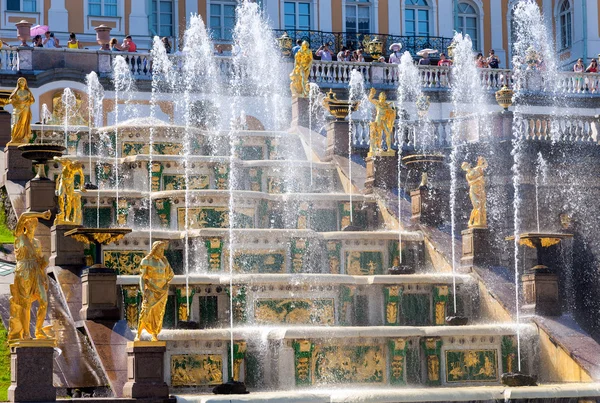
[(313, 103), (541, 170), (467, 95), (356, 94), (123, 83), (95, 98), (46, 115), (68, 103)]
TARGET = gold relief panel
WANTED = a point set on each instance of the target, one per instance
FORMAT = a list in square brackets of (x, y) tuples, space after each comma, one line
[(196, 370), (257, 261), (349, 364), (471, 366), (364, 262), (124, 262), (295, 311)]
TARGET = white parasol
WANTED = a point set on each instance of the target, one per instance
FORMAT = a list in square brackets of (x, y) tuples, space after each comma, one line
[(426, 51)]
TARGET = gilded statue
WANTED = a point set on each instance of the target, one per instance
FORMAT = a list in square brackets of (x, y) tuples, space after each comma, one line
[(476, 180), (30, 283), (69, 202), (21, 100), (299, 76), (156, 273), (383, 125)]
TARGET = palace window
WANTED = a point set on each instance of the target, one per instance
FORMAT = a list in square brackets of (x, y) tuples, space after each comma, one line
[(21, 5), (564, 19), (104, 8), (468, 22), (417, 17), (222, 20), (358, 16), (161, 19), (296, 15)]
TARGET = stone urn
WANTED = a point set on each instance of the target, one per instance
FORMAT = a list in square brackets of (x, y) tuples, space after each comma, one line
[(504, 97), (23, 31), (339, 108), (4, 95), (103, 35)]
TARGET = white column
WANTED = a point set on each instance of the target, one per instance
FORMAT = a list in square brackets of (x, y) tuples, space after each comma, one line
[(191, 7), (497, 33), (445, 15), (58, 16), (325, 17), (375, 27), (138, 19), (394, 17)]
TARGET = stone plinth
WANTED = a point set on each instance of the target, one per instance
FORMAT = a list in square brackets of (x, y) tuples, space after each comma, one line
[(540, 288), (300, 111), (99, 294), (337, 138), (31, 366), (39, 196), (145, 370), (424, 208), (66, 252), (5, 119), (16, 168), (476, 250), (382, 172)]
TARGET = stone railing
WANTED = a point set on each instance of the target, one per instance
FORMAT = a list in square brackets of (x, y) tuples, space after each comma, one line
[(413, 132), (9, 59), (560, 128)]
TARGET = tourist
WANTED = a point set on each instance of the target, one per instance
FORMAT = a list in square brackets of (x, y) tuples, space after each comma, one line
[(381, 59), (358, 56), (128, 44), (114, 45), (166, 44), (443, 62), (296, 48), (425, 60), (50, 41), (480, 62), (493, 61), (395, 55), (73, 43), (592, 82), (219, 50), (593, 67), (344, 55), (37, 42), (579, 67), (325, 53)]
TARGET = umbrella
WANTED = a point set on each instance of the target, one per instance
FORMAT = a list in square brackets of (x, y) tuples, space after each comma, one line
[(427, 51), (39, 30), (396, 44)]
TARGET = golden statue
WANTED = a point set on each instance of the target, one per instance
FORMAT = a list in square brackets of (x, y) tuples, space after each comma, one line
[(30, 283), (476, 182), (21, 100), (156, 273), (69, 202), (383, 125), (299, 76), (58, 110)]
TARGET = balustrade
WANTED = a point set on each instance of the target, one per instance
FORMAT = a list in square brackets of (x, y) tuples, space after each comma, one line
[(9, 59)]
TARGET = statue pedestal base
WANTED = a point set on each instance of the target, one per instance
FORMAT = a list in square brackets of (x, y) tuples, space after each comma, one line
[(31, 366), (424, 208), (16, 168), (300, 111), (66, 252), (5, 130), (99, 294), (337, 138), (540, 288), (476, 250), (145, 370), (39, 196), (382, 171)]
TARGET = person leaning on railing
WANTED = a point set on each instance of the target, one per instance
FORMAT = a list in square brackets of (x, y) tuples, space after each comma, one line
[(591, 83), (73, 43), (579, 67)]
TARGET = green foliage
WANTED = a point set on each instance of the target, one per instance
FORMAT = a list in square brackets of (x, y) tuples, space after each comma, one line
[(4, 364), (6, 235)]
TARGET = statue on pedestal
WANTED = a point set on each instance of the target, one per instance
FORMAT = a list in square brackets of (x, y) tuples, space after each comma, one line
[(30, 283), (383, 125), (300, 75), (476, 181), (156, 273), (21, 100), (69, 202)]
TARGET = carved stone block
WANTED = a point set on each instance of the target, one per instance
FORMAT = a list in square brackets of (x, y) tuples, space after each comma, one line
[(382, 172), (337, 138), (145, 370), (66, 252), (476, 249), (16, 168), (541, 293), (31, 373), (99, 294)]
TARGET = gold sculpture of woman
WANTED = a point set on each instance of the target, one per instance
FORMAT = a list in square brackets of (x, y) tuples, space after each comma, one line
[(476, 181), (69, 202), (156, 273), (300, 75), (21, 100), (30, 283), (383, 125)]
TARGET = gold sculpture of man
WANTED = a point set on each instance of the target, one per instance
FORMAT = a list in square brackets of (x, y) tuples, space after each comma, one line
[(383, 125), (156, 273), (476, 181), (30, 283), (69, 202), (300, 75), (21, 100)]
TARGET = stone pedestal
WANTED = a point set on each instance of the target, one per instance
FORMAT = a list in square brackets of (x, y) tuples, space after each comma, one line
[(300, 111), (31, 366), (145, 370), (424, 208), (502, 126), (382, 172), (99, 294), (337, 138), (476, 250), (39, 196), (5, 120), (540, 288), (16, 168), (66, 252)]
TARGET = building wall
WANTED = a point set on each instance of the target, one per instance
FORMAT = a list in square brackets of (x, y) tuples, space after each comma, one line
[(385, 17)]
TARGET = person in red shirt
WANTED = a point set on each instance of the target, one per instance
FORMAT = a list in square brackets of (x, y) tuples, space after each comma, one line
[(128, 44), (443, 78), (443, 61)]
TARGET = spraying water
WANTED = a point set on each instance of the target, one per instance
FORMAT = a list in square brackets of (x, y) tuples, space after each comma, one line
[(356, 94), (540, 171), (95, 99), (314, 101), (46, 116), (68, 104)]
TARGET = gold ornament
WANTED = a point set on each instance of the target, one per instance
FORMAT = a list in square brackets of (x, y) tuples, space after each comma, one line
[(69, 202), (299, 76), (477, 194), (21, 100), (383, 125), (156, 273)]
